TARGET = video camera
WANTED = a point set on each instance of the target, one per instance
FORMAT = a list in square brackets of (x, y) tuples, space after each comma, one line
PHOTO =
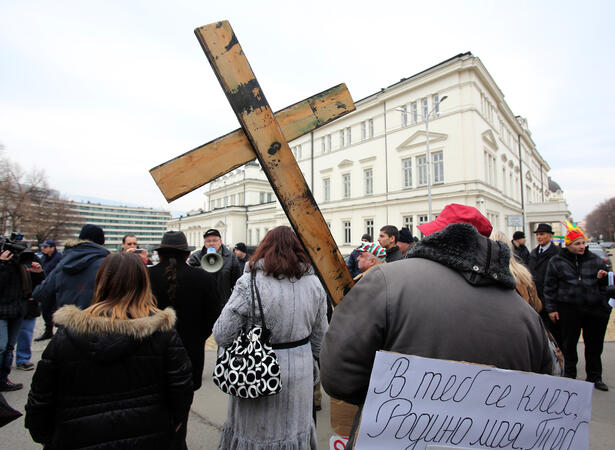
[(16, 245)]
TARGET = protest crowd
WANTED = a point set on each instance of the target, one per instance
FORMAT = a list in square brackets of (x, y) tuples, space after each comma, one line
[(126, 337)]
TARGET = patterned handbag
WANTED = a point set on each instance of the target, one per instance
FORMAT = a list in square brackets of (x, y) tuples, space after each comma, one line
[(249, 367)]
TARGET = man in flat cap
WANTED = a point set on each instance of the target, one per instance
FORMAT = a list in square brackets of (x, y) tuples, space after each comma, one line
[(230, 272)]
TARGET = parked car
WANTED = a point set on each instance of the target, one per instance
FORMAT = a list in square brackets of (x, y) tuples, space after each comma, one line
[(607, 244), (596, 249)]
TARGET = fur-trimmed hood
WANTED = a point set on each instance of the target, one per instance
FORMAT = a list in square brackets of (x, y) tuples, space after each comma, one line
[(478, 259), (106, 340)]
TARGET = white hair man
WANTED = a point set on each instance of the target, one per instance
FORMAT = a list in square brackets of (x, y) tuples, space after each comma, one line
[(371, 254)]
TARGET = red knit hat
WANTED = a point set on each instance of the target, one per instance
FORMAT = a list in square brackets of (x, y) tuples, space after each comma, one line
[(455, 213)]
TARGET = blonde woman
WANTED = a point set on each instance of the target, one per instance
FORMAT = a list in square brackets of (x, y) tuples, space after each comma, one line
[(526, 288), (115, 375)]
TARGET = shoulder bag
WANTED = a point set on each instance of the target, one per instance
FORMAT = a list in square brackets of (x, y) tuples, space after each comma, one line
[(249, 367)]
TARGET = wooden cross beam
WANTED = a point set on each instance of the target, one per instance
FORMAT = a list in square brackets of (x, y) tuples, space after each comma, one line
[(207, 162), (268, 140)]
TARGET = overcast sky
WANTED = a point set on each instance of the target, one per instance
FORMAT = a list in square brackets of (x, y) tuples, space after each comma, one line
[(98, 92)]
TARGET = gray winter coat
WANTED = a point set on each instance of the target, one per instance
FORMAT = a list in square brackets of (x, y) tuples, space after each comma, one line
[(453, 299), (294, 309)]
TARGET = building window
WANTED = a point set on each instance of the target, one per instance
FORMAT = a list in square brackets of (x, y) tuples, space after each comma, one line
[(406, 165), (425, 108), (369, 181), (404, 116), (407, 221), (369, 227), (326, 189), (269, 197), (435, 100), (422, 220), (347, 234), (250, 237), (328, 142), (241, 198), (323, 146), (342, 139), (233, 200), (415, 112), (226, 201), (371, 128), (363, 131), (348, 136), (504, 181), (421, 163), (346, 185), (261, 197), (297, 152), (438, 167), (258, 235), (510, 186), (490, 169)]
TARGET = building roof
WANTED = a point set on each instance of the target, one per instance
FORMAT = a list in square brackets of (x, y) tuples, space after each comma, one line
[(553, 186)]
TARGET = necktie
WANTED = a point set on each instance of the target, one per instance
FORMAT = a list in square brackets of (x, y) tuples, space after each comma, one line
[(540, 251)]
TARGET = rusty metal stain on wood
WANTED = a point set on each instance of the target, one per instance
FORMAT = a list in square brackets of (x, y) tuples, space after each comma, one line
[(233, 70), (209, 161)]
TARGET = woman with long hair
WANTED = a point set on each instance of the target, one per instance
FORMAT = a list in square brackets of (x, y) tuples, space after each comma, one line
[(115, 375), (295, 309), (526, 288), (191, 292)]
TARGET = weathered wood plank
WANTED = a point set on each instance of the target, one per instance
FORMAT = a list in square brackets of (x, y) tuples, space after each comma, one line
[(207, 162), (262, 129)]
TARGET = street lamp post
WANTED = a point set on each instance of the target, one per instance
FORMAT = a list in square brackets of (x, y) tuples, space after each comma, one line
[(428, 154)]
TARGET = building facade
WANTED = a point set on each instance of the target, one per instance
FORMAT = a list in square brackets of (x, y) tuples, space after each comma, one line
[(370, 168), (116, 221)]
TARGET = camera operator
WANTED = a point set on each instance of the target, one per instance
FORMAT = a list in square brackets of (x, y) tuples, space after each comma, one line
[(16, 282)]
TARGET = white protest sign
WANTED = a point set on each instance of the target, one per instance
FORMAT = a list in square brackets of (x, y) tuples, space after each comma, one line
[(337, 443), (413, 402)]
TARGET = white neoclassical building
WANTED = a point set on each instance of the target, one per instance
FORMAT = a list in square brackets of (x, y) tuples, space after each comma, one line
[(369, 168)]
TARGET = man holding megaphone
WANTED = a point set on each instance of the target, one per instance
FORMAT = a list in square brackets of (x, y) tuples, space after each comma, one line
[(217, 259)]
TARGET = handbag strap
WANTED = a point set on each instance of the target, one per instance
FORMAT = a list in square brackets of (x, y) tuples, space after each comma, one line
[(254, 289)]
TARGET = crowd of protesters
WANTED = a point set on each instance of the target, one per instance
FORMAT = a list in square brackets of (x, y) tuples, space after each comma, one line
[(129, 346)]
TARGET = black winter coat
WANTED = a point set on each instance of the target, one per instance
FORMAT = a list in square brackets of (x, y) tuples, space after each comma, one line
[(522, 254), (353, 263), (225, 277), (50, 262), (196, 303), (13, 295), (538, 267), (572, 279), (394, 254), (110, 385)]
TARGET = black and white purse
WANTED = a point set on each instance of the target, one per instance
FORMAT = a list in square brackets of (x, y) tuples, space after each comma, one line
[(249, 367)]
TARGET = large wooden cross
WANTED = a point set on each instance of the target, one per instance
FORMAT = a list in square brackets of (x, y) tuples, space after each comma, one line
[(264, 135)]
